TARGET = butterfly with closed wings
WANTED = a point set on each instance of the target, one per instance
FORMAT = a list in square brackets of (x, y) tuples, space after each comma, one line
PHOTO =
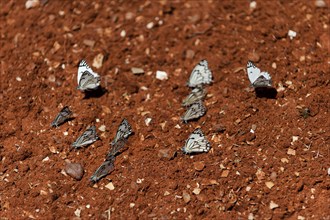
[(196, 143), (124, 130), (200, 75), (87, 138), (87, 78), (257, 78), (195, 111), (196, 94), (106, 168), (62, 116)]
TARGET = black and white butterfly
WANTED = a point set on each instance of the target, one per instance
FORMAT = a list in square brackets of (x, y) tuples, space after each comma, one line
[(62, 116), (200, 75), (196, 94), (196, 143), (88, 137), (124, 130), (257, 78), (195, 111), (105, 169), (116, 148), (87, 78)]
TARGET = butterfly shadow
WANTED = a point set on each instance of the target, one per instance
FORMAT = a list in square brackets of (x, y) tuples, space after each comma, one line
[(266, 92), (97, 93)]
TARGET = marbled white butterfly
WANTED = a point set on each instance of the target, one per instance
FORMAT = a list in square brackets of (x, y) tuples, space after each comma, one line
[(196, 143), (200, 75), (87, 78)]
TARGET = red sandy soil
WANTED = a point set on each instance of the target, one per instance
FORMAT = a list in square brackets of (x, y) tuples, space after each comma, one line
[(284, 162)]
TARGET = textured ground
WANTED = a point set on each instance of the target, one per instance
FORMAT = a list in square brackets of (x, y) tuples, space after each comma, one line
[(283, 165)]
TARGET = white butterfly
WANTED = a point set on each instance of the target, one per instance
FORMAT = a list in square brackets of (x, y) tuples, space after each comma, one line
[(106, 168), (195, 111), (201, 74), (196, 94), (196, 143), (87, 78), (258, 78), (87, 138), (124, 130), (62, 116)]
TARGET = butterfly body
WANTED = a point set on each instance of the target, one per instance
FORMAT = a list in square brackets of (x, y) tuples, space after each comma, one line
[(196, 95), (62, 116), (196, 143), (87, 138), (257, 78), (87, 78), (200, 75), (195, 111)]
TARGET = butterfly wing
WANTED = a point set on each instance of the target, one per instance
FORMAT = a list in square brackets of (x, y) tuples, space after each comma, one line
[(106, 168), (83, 67), (62, 116), (87, 138), (116, 147), (196, 94), (196, 143), (264, 80), (195, 111), (88, 81), (201, 74), (253, 72), (124, 130)]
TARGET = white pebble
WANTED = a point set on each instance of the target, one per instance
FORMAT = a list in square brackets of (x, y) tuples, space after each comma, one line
[(31, 4), (253, 5), (131, 205), (329, 171), (66, 133), (147, 121), (98, 61), (97, 120), (18, 78), (161, 75), (110, 186), (77, 212), (250, 217), (102, 128), (150, 25), (123, 33), (88, 206), (45, 159), (292, 34), (320, 3), (273, 205)]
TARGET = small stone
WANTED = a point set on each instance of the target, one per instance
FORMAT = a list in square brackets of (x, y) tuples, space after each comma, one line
[(273, 205), (123, 33), (77, 212), (166, 193), (102, 128), (129, 15), (166, 153), (329, 171), (253, 5), (292, 34), (284, 160), (269, 184), (110, 186), (31, 4), (89, 43), (150, 25), (301, 217), (274, 66), (51, 78), (161, 75), (197, 191), (291, 152), (273, 176), (131, 205), (186, 197), (137, 71), (98, 61), (19, 79), (224, 173), (320, 3), (248, 188), (75, 170), (147, 121), (260, 174), (254, 56), (65, 133), (190, 54), (199, 165), (219, 128)]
